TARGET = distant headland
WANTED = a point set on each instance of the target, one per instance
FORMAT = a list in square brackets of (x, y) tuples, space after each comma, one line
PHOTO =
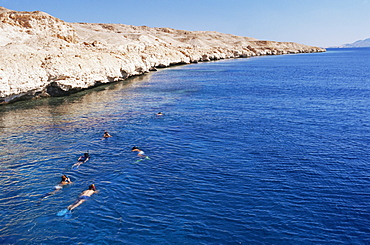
[(358, 44), (44, 56)]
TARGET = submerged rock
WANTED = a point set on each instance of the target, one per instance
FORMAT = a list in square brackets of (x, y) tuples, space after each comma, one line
[(44, 56)]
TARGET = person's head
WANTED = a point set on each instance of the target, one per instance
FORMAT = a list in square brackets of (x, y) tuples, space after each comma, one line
[(86, 154), (65, 179), (135, 148), (92, 187)]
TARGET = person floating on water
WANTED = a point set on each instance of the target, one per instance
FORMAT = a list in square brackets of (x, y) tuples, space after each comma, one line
[(65, 181), (106, 134), (82, 159), (140, 153), (159, 114), (81, 199)]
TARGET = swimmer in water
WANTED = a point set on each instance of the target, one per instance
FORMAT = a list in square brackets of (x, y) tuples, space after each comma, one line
[(159, 114), (65, 181), (106, 134), (81, 160), (84, 158), (140, 152), (83, 197)]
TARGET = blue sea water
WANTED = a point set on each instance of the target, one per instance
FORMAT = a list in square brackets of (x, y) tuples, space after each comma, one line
[(265, 150)]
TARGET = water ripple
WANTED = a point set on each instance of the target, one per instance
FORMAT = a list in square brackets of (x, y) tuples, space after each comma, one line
[(263, 151)]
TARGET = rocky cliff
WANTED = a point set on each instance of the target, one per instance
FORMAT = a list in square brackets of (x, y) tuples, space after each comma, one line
[(44, 56)]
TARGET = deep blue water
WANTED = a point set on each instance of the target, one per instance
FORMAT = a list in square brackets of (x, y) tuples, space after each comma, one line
[(266, 150)]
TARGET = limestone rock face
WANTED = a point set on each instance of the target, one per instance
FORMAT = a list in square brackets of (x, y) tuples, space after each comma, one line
[(45, 56)]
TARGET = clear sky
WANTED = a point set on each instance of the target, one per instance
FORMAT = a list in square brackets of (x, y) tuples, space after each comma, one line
[(313, 22)]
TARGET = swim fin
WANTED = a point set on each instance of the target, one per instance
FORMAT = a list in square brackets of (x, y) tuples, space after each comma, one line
[(62, 212), (68, 215)]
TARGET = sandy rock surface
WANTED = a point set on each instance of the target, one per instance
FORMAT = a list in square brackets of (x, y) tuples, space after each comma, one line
[(44, 56)]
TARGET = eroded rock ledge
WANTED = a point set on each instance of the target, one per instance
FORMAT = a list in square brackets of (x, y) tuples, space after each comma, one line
[(45, 56)]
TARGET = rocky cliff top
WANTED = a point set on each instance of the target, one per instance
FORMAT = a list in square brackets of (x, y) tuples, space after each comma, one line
[(44, 56)]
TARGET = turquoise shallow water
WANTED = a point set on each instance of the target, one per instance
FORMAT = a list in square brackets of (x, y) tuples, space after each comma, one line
[(266, 150)]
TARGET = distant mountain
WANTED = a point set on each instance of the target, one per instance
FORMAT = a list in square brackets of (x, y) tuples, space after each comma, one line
[(358, 44)]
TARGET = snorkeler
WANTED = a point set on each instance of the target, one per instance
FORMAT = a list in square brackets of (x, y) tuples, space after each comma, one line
[(65, 181), (140, 152), (81, 199), (106, 134), (82, 159)]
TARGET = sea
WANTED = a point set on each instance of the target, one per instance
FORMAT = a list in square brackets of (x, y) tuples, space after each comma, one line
[(261, 150)]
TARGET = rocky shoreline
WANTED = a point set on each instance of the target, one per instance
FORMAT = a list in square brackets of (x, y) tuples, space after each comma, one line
[(44, 56)]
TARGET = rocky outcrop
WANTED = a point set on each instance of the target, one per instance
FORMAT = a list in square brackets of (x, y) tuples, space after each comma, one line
[(45, 56)]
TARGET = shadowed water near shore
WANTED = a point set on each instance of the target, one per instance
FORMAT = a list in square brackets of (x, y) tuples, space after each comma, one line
[(38, 112), (267, 150)]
